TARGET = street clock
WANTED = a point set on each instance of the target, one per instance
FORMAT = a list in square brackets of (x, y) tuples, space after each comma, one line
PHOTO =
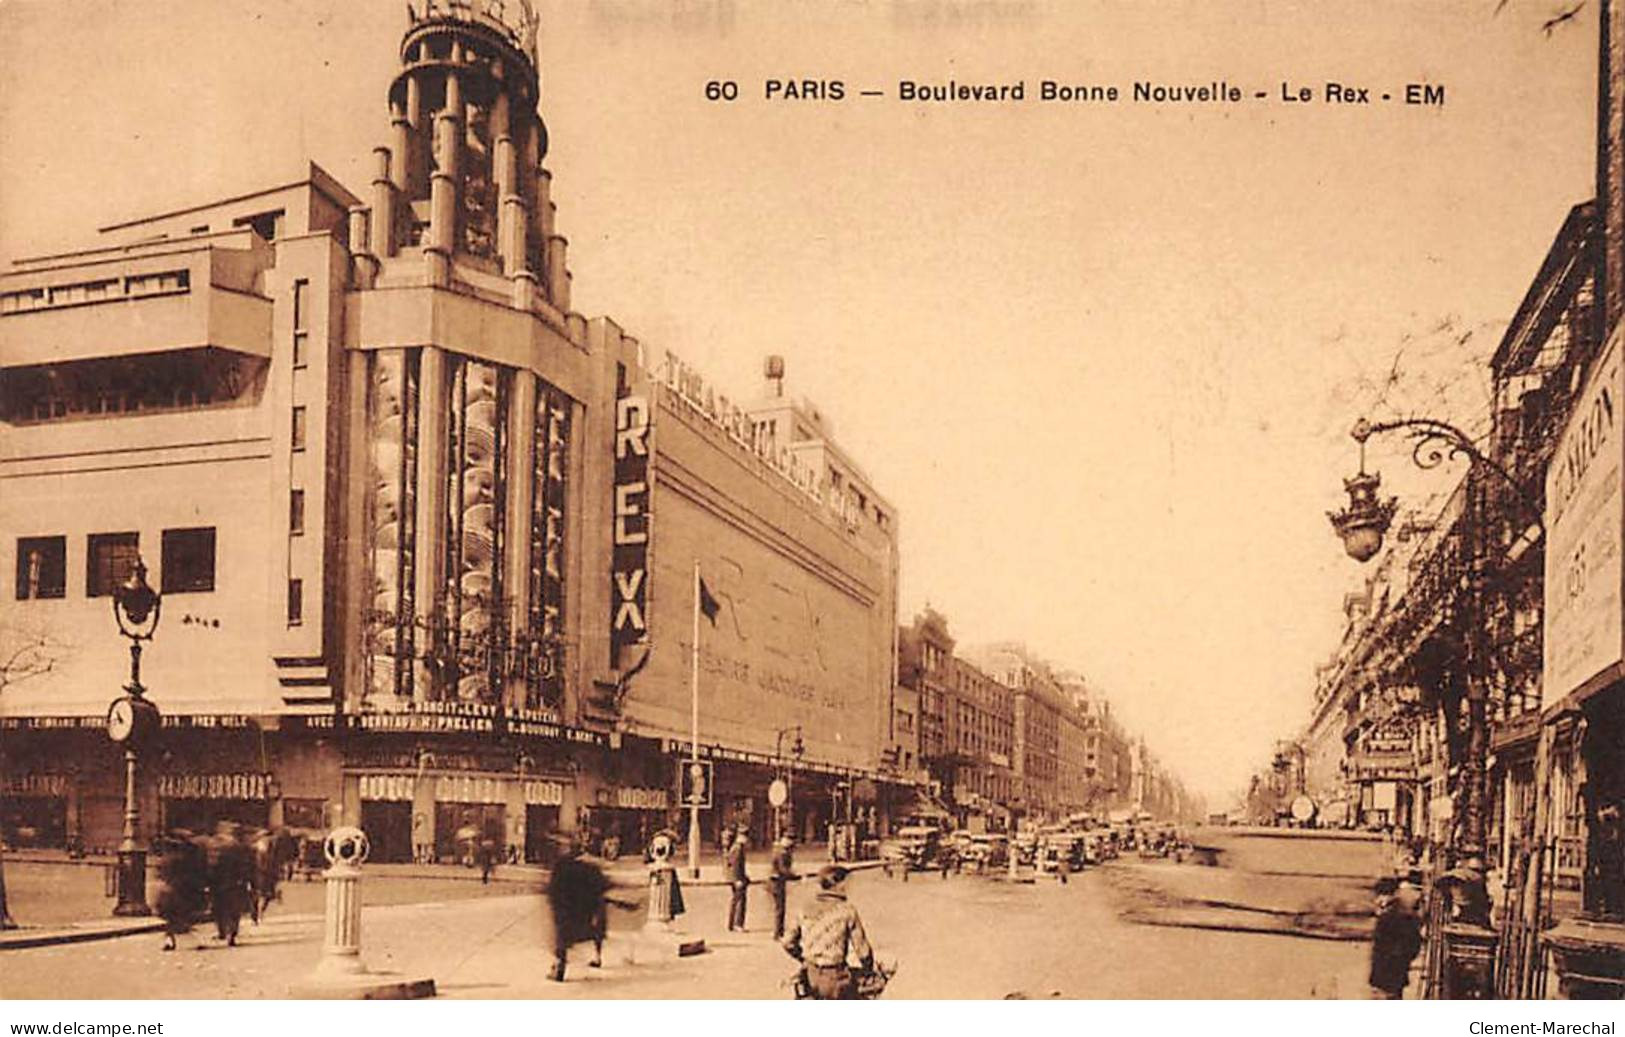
[(131, 719)]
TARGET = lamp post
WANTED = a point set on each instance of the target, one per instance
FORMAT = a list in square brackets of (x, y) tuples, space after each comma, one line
[(1469, 941), (786, 815), (131, 721)]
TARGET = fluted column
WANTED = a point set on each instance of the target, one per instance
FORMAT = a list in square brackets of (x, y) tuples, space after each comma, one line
[(341, 938), (445, 183)]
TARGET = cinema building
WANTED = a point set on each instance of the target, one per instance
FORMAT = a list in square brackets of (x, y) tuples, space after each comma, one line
[(389, 487)]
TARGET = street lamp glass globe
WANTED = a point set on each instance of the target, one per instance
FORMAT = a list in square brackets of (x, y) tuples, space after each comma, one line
[(136, 604), (1362, 543)]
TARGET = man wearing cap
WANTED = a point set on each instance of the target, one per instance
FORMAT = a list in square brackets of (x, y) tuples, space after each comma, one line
[(823, 936), (738, 880)]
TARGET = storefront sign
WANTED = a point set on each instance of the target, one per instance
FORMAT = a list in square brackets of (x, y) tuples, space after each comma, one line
[(51, 723), (213, 786), (642, 799), (544, 793), (465, 788), (629, 576), (388, 788), (45, 785), (1585, 520)]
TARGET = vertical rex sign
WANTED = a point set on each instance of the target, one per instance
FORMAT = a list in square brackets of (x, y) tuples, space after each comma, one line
[(629, 595), (1585, 517)]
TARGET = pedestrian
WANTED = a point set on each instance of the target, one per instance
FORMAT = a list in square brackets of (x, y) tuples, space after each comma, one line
[(231, 879), (1395, 940), (267, 872), (738, 881), (485, 855), (182, 875), (576, 895), (826, 933), (782, 871)]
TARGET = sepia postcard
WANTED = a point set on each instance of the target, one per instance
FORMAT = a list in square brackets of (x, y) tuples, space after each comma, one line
[(833, 499)]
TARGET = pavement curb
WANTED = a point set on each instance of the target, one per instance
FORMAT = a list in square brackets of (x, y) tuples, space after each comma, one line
[(23, 939)]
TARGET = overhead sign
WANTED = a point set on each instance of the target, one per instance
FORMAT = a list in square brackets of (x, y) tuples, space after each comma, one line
[(1585, 520), (629, 575)]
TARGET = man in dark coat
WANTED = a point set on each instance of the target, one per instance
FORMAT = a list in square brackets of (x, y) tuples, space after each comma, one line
[(576, 895), (182, 875), (1395, 940), (782, 871), (231, 880), (738, 881)]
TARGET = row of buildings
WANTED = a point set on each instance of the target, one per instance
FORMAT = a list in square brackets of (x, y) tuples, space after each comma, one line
[(435, 551), (1475, 702), (1003, 735)]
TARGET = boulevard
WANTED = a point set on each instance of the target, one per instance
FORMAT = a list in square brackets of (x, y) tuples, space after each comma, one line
[(1107, 933)]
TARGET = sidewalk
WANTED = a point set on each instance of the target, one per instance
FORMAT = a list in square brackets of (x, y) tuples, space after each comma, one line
[(528, 877)]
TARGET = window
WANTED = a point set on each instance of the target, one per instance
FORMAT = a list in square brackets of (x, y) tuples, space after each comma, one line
[(298, 431), (42, 567), (296, 602), (301, 315), (108, 561), (296, 512), (188, 560), (265, 224)]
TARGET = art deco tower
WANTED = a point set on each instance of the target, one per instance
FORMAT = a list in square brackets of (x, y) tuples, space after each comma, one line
[(474, 372)]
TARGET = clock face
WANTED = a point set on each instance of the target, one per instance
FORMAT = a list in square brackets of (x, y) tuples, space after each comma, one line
[(121, 720)]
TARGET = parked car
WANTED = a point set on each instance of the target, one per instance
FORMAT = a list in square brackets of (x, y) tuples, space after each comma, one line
[(916, 848), (986, 851), (1025, 846)]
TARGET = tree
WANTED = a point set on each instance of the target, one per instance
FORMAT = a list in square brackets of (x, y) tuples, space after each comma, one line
[(24, 654)]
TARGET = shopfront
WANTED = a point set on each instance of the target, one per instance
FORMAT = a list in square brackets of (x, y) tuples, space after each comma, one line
[(544, 799), (199, 802), (624, 818), (34, 810), (387, 816)]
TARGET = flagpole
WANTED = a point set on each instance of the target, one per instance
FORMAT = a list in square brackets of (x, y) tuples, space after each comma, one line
[(694, 733)]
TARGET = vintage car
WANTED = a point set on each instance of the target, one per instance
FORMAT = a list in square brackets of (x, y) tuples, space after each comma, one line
[(1061, 847), (1024, 845), (985, 851), (916, 848)]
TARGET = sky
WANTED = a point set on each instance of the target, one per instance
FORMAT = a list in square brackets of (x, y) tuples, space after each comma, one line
[(1102, 357)]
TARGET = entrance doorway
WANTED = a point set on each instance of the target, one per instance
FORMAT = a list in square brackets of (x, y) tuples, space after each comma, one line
[(389, 830), (540, 824), (458, 828)]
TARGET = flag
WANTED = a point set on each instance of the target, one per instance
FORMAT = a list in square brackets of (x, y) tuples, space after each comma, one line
[(709, 605)]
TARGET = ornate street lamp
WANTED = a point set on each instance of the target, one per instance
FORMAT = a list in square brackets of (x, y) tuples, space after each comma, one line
[(131, 722), (1365, 521), (1469, 941)]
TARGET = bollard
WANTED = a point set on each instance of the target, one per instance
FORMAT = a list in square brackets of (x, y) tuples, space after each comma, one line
[(340, 973), (345, 849), (662, 933)]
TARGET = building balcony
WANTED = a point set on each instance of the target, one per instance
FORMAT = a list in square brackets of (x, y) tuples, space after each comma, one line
[(131, 302)]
